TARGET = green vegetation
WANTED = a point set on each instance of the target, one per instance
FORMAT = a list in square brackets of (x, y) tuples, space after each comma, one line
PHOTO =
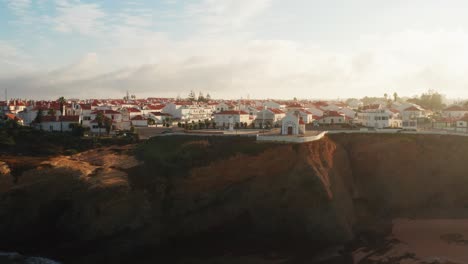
[(175, 155), (27, 141), (431, 100)]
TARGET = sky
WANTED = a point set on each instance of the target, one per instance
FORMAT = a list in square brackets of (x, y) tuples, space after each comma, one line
[(331, 49)]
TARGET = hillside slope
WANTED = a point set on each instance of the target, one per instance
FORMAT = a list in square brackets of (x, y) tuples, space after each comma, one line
[(223, 198)]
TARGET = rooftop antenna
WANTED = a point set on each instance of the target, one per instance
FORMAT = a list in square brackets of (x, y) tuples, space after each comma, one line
[(6, 95)]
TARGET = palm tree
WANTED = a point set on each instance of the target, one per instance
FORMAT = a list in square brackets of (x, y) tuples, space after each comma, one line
[(62, 102)]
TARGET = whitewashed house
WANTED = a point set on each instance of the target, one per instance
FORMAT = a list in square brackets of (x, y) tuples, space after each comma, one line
[(378, 118), (270, 116), (159, 117), (305, 115), (412, 113), (315, 110), (462, 124), (119, 121), (58, 123), (454, 111), (332, 118), (274, 105), (223, 119), (139, 121), (292, 124), (223, 106)]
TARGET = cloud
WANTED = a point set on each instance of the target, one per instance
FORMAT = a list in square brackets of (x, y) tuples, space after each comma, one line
[(19, 7), (219, 54), (216, 16), (78, 17)]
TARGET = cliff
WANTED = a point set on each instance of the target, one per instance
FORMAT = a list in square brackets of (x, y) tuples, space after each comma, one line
[(201, 197)]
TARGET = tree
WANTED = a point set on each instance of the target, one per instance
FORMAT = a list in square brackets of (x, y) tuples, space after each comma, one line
[(191, 96), (208, 97), (100, 121), (213, 124), (51, 112), (151, 121), (108, 124), (201, 98), (430, 100), (39, 116), (385, 96), (62, 103), (395, 96), (77, 130)]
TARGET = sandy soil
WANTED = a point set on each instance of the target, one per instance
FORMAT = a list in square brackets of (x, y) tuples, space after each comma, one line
[(418, 241)]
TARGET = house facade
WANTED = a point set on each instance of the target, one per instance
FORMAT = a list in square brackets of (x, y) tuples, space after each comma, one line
[(223, 119), (271, 116), (292, 124)]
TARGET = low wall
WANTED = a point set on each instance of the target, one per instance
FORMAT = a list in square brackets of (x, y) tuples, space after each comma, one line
[(291, 139)]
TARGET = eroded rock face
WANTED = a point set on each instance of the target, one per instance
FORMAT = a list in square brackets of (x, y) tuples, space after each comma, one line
[(72, 198), (323, 191)]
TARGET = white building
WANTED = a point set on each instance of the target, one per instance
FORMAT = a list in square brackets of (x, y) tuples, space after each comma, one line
[(305, 115), (454, 111), (159, 117), (223, 119), (270, 116), (378, 118), (462, 124), (139, 121), (292, 124), (274, 105), (119, 121), (58, 123), (412, 113), (188, 112), (332, 118)]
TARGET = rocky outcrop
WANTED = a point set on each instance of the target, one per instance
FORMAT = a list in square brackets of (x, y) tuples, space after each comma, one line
[(317, 194)]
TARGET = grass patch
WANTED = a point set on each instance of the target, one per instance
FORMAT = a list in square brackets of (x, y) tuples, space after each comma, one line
[(175, 155)]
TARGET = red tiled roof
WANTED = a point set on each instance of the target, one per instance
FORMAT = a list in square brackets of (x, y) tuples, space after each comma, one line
[(13, 117), (371, 107), (232, 113), (133, 110), (455, 108), (160, 114), (106, 112), (276, 111), (138, 117), (412, 108), (61, 119), (332, 114), (294, 105), (85, 106), (155, 107), (306, 111), (464, 118)]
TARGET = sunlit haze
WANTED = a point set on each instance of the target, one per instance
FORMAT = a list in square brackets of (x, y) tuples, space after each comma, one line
[(233, 48)]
